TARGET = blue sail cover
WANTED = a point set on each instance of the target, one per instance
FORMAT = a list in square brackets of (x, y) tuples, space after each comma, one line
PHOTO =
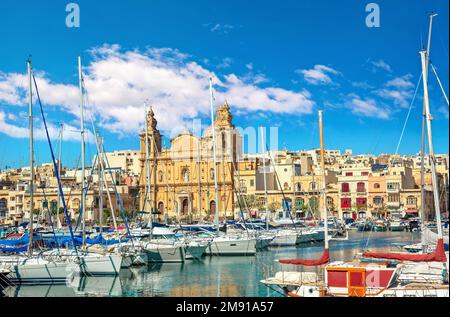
[(67, 241), (21, 241), (14, 250)]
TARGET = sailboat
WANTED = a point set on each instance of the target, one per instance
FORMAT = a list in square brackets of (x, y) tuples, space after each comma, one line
[(383, 274), (30, 268), (225, 244), (157, 252), (285, 279), (85, 261)]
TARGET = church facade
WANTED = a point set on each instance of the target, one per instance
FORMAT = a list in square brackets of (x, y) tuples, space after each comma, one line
[(181, 182)]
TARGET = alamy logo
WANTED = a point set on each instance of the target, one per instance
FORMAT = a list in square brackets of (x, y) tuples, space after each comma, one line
[(373, 18), (73, 18)]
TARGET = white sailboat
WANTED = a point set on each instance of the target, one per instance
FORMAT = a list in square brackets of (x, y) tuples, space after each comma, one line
[(223, 244), (30, 268), (91, 263)]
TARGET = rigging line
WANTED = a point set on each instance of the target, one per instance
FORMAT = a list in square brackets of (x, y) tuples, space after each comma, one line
[(55, 167), (282, 191), (409, 113), (439, 81)]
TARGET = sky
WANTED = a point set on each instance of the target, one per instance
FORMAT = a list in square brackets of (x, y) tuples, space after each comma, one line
[(276, 63)]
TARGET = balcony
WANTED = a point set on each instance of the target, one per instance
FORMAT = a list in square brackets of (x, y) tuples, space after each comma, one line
[(393, 204)]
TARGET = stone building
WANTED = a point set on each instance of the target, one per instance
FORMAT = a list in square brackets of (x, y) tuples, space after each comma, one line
[(182, 176)]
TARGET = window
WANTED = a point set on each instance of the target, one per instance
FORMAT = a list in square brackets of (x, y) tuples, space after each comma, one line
[(313, 203), (160, 176), (299, 203), (377, 200), (376, 186), (252, 183), (211, 174), (345, 188), (330, 202), (346, 203), (393, 198), (393, 186), (365, 174), (361, 187), (361, 202), (411, 200), (349, 174), (313, 186), (286, 186), (298, 187)]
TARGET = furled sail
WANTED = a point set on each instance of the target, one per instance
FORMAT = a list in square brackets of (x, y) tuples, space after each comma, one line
[(323, 260), (437, 256)]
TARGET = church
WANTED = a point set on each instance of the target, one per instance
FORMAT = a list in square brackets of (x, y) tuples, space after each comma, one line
[(182, 176)]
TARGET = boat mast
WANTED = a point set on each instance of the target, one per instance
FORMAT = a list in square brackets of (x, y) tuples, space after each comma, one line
[(100, 185), (214, 152), (424, 58), (266, 203), (30, 117), (324, 186), (58, 204), (83, 182), (423, 144), (147, 160)]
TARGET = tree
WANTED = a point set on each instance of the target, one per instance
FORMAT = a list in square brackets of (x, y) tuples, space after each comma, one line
[(247, 201), (274, 206)]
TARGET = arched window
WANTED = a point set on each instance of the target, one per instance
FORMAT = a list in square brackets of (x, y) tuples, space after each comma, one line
[(345, 188), (376, 186), (211, 174), (286, 186), (361, 187), (313, 186), (298, 187), (330, 202), (378, 200), (313, 203), (299, 203), (160, 176)]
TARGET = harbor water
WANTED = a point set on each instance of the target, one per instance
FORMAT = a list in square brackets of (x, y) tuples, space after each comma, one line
[(214, 276)]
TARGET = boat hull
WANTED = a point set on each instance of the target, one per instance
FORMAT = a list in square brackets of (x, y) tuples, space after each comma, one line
[(285, 240), (37, 271), (97, 265), (165, 254), (195, 252), (239, 247)]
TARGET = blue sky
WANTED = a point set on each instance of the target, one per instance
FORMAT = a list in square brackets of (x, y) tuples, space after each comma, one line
[(276, 62)]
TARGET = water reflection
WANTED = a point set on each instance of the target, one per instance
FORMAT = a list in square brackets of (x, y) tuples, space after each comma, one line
[(213, 276), (76, 286)]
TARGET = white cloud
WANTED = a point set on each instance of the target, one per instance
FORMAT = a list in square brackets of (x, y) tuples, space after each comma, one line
[(318, 75), (403, 82), (367, 108), (444, 111), (71, 133), (399, 90), (221, 28), (226, 63), (381, 64), (118, 83), (362, 84)]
